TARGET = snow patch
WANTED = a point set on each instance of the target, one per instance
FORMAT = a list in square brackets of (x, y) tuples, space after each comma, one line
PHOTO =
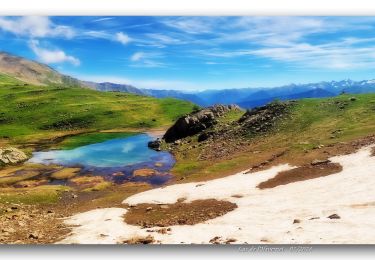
[(262, 216)]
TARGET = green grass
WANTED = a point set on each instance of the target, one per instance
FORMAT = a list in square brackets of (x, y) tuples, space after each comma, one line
[(9, 180), (311, 122), (38, 195), (98, 187), (90, 138), (65, 173), (316, 120), (7, 80), (35, 112), (231, 116)]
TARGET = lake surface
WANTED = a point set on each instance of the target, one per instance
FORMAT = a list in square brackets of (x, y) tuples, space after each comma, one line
[(109, 158)]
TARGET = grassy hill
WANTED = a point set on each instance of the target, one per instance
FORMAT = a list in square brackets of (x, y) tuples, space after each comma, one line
[(29, 113), (33, 72), (311, 128)]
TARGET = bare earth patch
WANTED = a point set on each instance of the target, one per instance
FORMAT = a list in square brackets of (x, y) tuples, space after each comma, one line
[(302, 173), (180, 213), (30, 224), (140, 240), (144, 172)]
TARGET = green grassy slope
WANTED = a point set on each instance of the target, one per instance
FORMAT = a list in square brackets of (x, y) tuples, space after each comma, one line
[(8, 80), (328, 120), (33, 112), (311, 123)]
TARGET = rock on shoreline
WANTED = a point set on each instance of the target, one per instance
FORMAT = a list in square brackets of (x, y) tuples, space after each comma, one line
[(11, 155)]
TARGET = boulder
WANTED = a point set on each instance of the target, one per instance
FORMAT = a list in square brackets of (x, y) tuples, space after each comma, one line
[(334, 216), (196, 122), (11, 155), (155, 144)]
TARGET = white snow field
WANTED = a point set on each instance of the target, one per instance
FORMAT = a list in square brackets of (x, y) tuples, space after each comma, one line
[(262, 216)]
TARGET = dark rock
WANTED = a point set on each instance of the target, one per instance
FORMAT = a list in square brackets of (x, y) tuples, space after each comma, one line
[(334, 216), (155, 144), (196, 122), (296, 221), (33, 236), (204, 136)]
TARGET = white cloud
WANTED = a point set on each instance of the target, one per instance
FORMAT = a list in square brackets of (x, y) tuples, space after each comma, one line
[(287, 40), (35, 27), (102, 19), (51, 56), (192, 25), (148, 60), (122, 38), (165, 39), (97, 34), (137, 56), (338, 55), (330, 56)]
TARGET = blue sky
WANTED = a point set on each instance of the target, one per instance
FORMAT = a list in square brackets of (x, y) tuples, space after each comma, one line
[(195, 53)]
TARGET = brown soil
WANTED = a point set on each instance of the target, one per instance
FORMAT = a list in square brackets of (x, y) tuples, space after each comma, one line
[(144, 172), (140, 240), (151, 215), (43, 223), (219, 240), (373, 151), (26, 224), (300, 174)]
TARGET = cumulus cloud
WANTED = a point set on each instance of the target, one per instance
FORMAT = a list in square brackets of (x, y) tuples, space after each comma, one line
[(35, 27), (122, 38), (51, 56)]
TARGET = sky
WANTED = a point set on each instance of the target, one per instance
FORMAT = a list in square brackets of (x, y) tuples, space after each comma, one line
[(197, 53)]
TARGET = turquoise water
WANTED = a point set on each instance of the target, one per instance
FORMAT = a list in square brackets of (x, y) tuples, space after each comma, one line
[(113, 153), (117, 155)]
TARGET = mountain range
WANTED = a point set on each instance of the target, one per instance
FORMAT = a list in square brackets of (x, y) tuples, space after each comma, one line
[(252, 97), (32, 72)]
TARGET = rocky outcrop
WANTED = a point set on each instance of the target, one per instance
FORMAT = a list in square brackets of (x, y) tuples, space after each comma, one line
[(261, 119), (11, 155), (196, 122)]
